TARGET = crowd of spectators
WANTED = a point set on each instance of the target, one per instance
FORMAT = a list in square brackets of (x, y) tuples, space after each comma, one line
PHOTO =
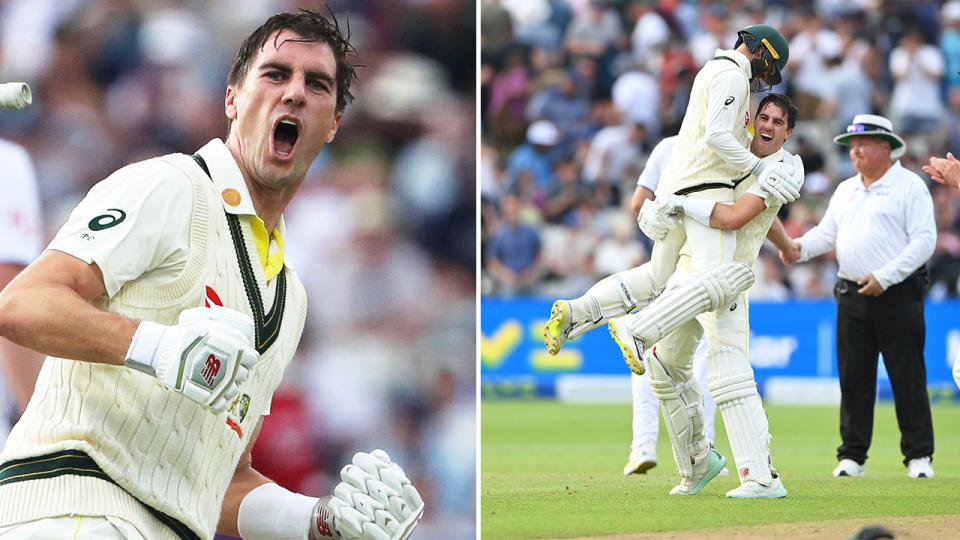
[(575, 94), (382, 233)]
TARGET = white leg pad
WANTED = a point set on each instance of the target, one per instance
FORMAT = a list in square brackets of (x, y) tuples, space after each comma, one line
[(612, 297), (710, 291), (734, 390), (682, 407)]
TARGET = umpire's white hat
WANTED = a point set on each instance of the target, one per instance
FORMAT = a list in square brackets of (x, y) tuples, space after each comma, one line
[(877, 126)]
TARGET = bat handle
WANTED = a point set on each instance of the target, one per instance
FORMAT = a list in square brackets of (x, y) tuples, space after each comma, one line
[(15, 95)]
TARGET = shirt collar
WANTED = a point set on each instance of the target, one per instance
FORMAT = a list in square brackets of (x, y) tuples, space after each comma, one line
[(742, 61), (886, 180), (227, 178)]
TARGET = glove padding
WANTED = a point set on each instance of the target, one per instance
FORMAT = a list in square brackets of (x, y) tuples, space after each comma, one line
[(375, 501), (206, 356), (657, 217), (780, 181)]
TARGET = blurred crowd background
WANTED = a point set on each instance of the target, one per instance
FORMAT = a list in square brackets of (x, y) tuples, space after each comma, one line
[(382, 232), (575, 94)]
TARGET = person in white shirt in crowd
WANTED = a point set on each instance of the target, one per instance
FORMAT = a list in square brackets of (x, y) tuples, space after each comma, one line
[(809, 51), (917, 69), (20, 217), (881, 224)]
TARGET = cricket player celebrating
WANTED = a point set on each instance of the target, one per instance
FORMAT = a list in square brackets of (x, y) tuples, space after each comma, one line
[(729, 375), (711, 161), (168, 315), (771, 133)]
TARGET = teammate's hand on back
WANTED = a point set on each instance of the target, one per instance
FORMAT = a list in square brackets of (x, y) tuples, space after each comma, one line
[(375, 501), (205, 356), (656, 218)]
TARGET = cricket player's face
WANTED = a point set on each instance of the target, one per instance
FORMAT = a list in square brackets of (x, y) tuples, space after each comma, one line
[(770, 130), (284, 111)]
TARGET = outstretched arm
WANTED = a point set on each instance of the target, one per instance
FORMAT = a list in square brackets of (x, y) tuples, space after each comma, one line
[(47, 308)]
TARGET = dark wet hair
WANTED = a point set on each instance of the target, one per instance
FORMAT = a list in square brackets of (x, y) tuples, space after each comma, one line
[(786, 105), (312, 27)]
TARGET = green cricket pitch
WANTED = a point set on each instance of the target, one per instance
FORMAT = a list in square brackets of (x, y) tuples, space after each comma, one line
[(554, 470)]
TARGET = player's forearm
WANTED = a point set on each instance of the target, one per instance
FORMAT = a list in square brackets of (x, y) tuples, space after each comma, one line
[(731, 217), (244, 481), (54, 320)]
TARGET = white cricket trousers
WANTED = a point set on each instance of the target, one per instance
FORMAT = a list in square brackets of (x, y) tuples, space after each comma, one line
[(72, 528)]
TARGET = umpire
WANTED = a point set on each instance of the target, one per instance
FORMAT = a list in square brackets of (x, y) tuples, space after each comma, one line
[(881, 224)]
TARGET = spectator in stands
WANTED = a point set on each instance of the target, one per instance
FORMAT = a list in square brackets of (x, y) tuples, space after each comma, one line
[(535, 156), (917, 70), (513, 254)]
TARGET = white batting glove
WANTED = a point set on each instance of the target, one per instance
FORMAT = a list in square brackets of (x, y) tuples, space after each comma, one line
[(205, 356), (778, 179), (375, 501), (657, 217)]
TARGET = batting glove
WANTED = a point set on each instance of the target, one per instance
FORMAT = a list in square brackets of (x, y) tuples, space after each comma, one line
[(206, 356), (374, 501), (779, 181), (657, 217)]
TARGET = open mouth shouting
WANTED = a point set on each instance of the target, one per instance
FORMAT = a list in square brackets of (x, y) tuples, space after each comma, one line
[(286, 133), (766, 137)]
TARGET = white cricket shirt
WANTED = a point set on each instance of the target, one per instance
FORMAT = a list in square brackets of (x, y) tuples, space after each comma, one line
[(135, 224), (656, 163), (886, 230), (19, 206)]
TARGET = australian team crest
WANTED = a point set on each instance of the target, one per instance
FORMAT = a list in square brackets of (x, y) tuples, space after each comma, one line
[(243, 406), (238, 411)]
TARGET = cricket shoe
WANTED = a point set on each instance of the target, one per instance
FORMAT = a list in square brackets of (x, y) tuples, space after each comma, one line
[(642, 459), (920, 468), (849, 467), (756, 490), (631, 348), (705, 468), (557, 329)]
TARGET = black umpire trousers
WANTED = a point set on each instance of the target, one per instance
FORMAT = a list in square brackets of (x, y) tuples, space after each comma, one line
[(892, 324)]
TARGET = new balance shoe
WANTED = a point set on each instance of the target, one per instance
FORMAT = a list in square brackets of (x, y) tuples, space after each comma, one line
[(756, 490), (631, 348), (920, 468), (849, 467), (558, 327), (642, 459), (705, 469)]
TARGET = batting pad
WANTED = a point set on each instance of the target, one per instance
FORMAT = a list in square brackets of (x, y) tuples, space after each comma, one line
[(611, 297), (682, 406), (735, 392), (710, 291)]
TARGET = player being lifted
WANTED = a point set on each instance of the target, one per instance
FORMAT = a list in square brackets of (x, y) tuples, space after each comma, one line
[(710, 162)]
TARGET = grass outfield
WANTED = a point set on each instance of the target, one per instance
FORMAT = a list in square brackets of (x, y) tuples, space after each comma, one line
[(553, 470)]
